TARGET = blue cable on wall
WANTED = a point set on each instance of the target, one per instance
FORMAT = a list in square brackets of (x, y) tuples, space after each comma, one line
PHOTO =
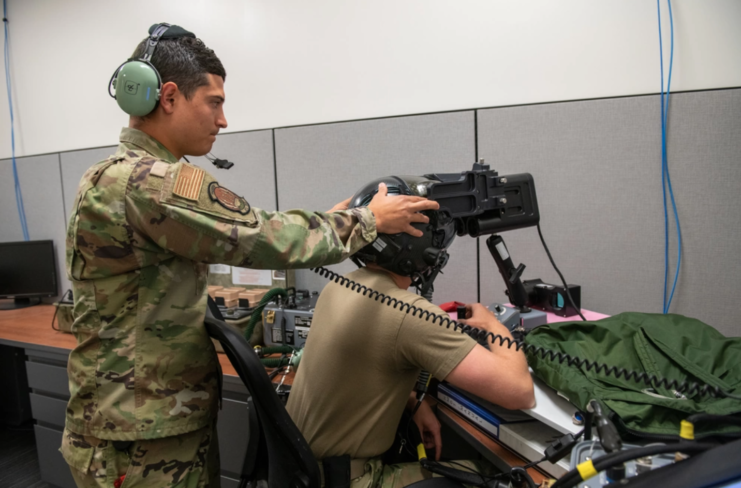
[(665, 177), (16, 181)]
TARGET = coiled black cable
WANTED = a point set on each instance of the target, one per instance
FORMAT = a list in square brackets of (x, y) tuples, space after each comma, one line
[(715, 419), (691, 388)]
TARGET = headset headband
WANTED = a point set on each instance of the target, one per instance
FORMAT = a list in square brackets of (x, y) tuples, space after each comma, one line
[(154, 38)]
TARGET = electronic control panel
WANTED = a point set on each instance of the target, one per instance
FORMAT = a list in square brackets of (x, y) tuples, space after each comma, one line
[(592, 449), (287, 322)]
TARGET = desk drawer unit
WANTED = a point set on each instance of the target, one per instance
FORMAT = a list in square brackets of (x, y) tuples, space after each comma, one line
[(48, 378), (48, 410), (49, 392), (54, 469), (233, 432)]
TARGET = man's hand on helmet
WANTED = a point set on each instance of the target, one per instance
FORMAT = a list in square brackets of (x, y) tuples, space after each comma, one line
[(396, 214)]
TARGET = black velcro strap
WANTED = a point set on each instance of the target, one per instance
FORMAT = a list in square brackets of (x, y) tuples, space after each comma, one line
[(336, 471), (172, 32), (122, 445)]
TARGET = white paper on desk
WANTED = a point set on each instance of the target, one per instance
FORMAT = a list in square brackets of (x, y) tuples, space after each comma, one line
[(552, 409), (245, 276), (219, 269)]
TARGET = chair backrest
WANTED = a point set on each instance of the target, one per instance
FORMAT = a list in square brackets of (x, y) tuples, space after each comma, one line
[(212, 310), (277, 451)]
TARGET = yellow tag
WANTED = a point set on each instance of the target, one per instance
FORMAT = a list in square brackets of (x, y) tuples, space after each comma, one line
[(586, 469), (421, 453), (270, 316), (687, 430), (188, 184)]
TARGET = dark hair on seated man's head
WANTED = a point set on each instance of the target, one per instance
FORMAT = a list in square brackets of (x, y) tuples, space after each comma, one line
[(185, 61)]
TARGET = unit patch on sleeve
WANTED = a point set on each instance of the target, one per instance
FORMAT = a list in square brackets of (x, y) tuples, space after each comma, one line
[(228, 199), (188, 184)]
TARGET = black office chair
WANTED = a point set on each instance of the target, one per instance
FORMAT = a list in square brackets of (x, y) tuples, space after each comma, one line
[(276, 450)]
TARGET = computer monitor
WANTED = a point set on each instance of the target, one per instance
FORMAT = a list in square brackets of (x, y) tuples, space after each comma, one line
[(28, 272)]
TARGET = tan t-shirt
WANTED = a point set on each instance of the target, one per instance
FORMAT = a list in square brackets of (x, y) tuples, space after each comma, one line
[(360, 364)]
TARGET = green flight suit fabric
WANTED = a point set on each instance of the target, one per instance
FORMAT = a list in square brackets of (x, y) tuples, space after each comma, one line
[(670, 346), (141, 234)]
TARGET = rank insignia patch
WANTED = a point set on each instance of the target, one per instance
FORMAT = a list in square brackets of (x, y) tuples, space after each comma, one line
[(188, 184), (228, 199)]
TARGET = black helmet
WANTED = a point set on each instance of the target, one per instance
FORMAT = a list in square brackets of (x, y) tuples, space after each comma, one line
[(420, 258)]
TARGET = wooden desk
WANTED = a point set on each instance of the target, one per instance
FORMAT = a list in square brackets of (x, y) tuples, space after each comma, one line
[(32, 325), (30, 329), (42, 379), (491, 450)]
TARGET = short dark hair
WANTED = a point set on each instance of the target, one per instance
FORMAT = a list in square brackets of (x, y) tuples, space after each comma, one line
[(185, 61)]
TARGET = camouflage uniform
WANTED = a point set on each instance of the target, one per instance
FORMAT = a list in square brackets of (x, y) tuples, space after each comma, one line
[(143, 229), (188, 460)]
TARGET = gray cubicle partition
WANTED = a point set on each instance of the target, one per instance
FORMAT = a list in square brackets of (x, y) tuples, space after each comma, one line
[(73, 165), (321, 165), (596, 165), (597, 168), (253, 173), (42, 198)]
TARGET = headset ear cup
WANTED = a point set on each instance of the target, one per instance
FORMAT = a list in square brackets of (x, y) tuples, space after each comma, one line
[(112, 82), (137, 87)]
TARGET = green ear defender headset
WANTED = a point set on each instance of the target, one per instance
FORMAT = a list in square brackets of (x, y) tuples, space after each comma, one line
[(137, 82)]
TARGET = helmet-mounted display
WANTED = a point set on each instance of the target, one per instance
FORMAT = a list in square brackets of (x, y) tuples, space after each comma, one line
[(477, 202)]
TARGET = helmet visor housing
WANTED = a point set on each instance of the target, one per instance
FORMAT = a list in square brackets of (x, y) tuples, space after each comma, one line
[(421, 258)]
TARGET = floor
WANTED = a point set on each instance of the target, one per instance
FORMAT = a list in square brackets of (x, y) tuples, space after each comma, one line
[(19, 464)]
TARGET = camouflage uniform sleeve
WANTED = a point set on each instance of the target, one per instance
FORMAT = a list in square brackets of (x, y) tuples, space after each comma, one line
[(181, 208)]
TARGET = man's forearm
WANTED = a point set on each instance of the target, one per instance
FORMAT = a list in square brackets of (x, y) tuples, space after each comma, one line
[(507, 351)]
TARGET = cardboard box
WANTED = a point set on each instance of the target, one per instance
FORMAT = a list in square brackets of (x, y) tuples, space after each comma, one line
[(238, 289), (221, 297), (251, 298), (259, 292), (213, 289)]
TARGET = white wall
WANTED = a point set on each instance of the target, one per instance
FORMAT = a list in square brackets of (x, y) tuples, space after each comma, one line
[(293, 62)]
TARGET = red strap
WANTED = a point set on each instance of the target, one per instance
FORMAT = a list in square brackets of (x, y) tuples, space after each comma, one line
[(451, 306), (119, 482)]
